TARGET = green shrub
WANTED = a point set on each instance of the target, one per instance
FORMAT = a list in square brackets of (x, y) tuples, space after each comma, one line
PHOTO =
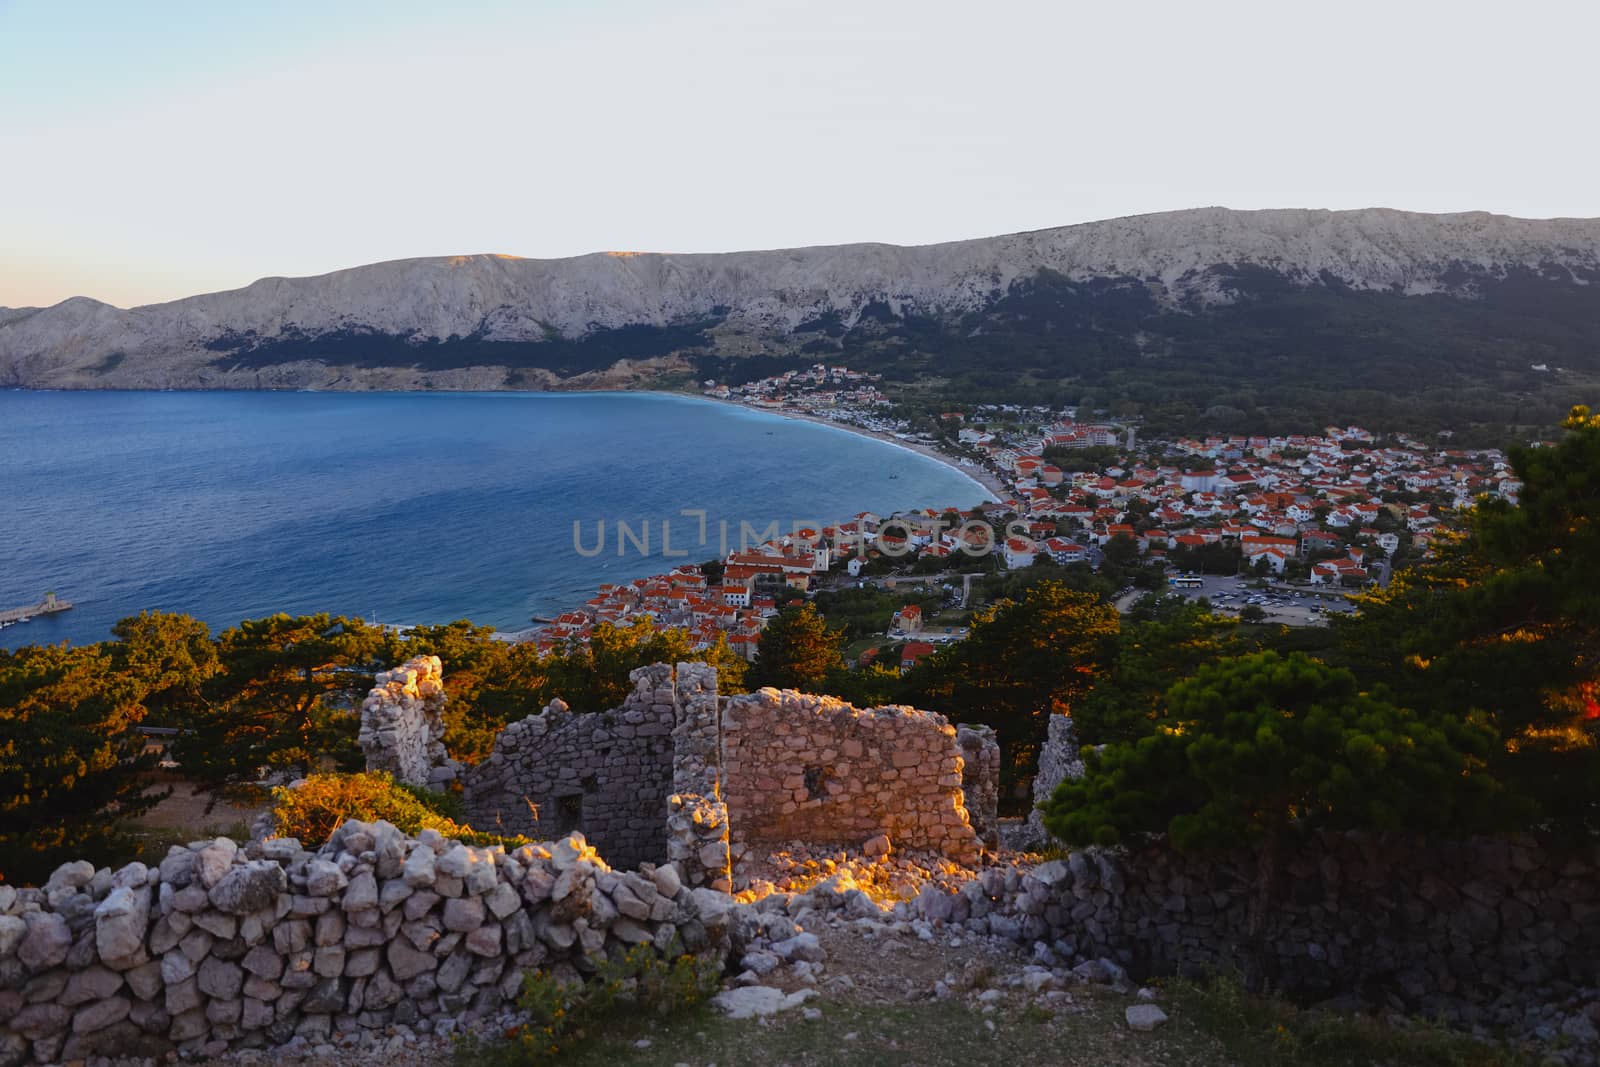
[(446, 805), (563, 1014)]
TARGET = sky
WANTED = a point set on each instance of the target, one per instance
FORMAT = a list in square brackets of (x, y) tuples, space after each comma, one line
[(151, 151)]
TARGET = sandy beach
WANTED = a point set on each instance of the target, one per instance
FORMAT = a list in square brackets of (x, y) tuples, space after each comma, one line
[(986, 479)]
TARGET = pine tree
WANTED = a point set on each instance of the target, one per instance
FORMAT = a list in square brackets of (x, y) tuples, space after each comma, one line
[(797, 650), (286, 699), (71, 759), (1022, 661), (1507, 624), (1254, 750)]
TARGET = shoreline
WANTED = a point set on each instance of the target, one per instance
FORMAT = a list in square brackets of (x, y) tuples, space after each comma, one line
[(986, 482), (985, 479)]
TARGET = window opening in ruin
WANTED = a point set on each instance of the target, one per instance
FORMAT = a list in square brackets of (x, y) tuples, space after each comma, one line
[(591, 783), (569, 814), (816, 781)]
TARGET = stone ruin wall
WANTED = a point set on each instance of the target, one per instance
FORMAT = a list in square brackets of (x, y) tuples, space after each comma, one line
[(798, 767), (980, 781), (402, 724), (225, 947), (698, 840), (1058, 761), (606, 773), (679, 774)]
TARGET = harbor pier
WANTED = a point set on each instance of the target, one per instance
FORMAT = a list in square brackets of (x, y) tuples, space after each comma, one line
[(48, 606)]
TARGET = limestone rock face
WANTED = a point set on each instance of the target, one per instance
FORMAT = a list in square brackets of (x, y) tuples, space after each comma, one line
[(769, 293)]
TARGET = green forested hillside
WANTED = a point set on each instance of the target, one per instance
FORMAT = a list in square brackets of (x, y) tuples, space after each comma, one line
[(1281, 357)]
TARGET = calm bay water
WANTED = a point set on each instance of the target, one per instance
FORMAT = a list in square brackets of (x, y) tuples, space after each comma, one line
[(400, 507)]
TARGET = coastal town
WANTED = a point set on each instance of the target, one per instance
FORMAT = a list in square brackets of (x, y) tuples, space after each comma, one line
[(1323, 515)]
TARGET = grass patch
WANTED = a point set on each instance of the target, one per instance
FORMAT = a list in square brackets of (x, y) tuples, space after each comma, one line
[(1267, 1031), (852, 651), (1213, 1024), (847, 1035), (927, 1034)]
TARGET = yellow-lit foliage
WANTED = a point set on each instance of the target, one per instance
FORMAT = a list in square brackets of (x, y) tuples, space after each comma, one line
[(313, 808), (1579, 418), (310, 810)]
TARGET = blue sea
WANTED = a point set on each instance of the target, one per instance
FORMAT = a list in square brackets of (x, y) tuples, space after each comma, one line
[(399, 507)]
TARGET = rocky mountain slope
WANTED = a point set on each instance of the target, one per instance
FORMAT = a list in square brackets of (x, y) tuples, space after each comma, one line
[(1085, 300)]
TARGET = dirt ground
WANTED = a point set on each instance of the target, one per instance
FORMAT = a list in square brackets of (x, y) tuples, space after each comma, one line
[(185, 811)]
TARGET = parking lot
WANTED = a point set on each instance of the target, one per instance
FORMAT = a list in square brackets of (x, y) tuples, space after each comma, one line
[(1303, 606)]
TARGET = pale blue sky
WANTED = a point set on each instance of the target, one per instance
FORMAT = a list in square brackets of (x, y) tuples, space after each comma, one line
[(149, 151)]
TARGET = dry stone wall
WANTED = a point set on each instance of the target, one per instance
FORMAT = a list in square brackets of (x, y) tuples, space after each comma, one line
[(402, 724), (225, 947), (797, 767), (698, 841), (1476, 930), (624, 777), (696, 735)]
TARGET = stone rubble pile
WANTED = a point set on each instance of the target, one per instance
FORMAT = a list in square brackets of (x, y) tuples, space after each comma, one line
[(226, 947), (697, 840), (884, 873), (784, 950), (776, 945)]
